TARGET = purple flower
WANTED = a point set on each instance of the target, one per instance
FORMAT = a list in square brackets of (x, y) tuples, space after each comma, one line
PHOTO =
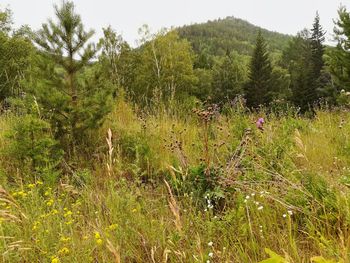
[(260, 124)]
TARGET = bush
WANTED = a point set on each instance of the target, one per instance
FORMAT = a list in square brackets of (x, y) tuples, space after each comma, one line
[(32, 146)]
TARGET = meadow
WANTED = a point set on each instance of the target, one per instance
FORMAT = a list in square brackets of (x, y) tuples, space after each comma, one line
[(186, 186)]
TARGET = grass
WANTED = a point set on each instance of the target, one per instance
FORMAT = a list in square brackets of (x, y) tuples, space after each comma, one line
[(148, 194)]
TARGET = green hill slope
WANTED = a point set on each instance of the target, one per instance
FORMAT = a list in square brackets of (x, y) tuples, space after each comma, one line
[(222, 35)]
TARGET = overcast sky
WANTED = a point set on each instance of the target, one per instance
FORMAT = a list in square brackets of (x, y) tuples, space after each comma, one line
[(126, 16)]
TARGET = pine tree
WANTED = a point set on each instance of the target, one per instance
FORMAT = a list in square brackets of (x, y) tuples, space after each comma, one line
[(297, 58), (339, 62), (317, 50), (259, 86), (65, 80)]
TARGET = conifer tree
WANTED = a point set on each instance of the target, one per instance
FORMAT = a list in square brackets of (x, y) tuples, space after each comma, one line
[(66, 82), (339, 62), (259, 86), (317, 50)]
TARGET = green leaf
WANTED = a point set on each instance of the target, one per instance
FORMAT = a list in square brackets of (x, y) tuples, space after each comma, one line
[(274, 257)]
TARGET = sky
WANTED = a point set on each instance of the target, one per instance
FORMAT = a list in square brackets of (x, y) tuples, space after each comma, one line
[(126, 16)]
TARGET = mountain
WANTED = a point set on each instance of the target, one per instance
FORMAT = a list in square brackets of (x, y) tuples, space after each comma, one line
[(220, 36)]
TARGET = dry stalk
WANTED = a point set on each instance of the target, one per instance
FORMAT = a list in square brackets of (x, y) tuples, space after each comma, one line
[(114, 250), (174, 208), (301, 146), (238, 154), (110, 152)]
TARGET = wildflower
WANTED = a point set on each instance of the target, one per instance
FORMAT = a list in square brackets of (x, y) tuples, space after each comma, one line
[(22, 194), (63, 251), (99, 241), (290, 212), (253, 194), (260, 207), (210, 243), (64, 239), (68, 213), (211, 254), (69, 222), (31, 186), (284, 215), (50, 202), (260, 124), (97, 235), (35, 225), (39, 182), (247, 197), (54, 212), (134, 210), (113, 227), (55, 260)]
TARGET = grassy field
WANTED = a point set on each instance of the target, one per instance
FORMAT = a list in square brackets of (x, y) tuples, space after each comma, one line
[(195, 186)]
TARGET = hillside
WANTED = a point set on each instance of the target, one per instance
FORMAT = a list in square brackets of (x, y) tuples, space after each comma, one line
[(230, 33)]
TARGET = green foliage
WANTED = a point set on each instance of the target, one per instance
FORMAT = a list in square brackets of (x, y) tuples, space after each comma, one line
[(274, 257), (229, 75), (259, 88), (32, 145), (218, 36), (15, 58), (75, 93), (165, 68), (339, 57)]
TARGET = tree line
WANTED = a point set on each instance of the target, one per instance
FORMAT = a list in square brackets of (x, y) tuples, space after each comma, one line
[(58, 76)]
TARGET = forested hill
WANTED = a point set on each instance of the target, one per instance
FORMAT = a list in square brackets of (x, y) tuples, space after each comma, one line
[(218, 36)]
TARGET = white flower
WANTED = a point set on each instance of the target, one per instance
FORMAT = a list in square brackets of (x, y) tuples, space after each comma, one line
[(210, 243), (284, 215), (211, 254), (247, 197), (208, 261), (290, 212), (253, 194), (260, 207)]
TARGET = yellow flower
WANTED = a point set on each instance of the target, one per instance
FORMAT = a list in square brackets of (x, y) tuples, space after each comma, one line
[(31, 186), (39, 182), (55, 260), (69, 222), (50, 202), (68, 213), (63, 251), (99, 241), (134, 210), (113, 227), (64, 239), (54, 212), (97, 235), (35, 225), (22, 194)]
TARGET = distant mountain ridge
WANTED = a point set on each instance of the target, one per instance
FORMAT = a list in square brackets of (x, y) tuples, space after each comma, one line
[(219, 36)]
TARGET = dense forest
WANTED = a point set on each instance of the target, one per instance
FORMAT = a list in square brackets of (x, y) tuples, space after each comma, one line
[(213, 142)]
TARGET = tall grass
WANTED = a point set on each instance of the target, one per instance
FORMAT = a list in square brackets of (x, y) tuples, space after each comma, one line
[(153, 196)]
